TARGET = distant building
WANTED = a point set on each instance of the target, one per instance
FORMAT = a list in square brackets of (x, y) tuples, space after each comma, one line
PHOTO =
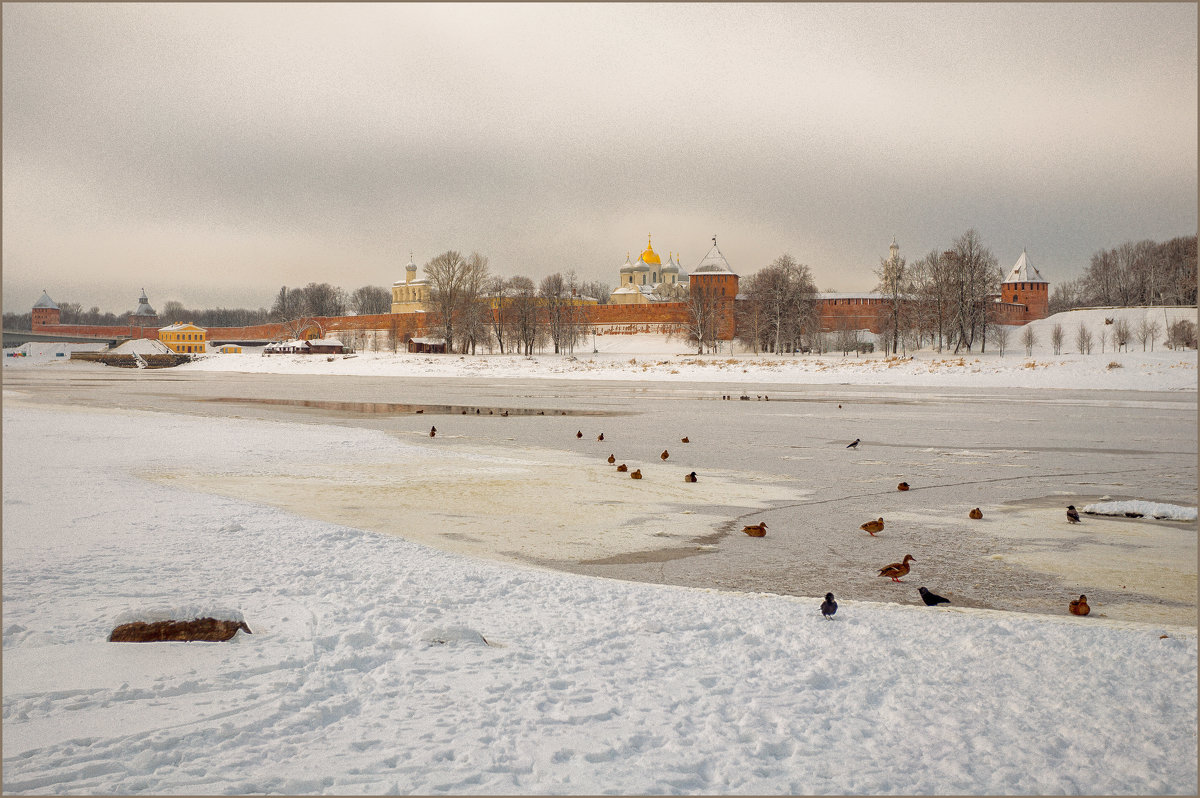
[(648, 280), (45, 312), (411, 295), (1025, 286), (144, 315), (326, 346), (184, 337)]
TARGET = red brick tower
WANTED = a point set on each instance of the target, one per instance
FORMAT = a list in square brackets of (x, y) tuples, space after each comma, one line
[(1025, 286), (714, 278), (45, 313)]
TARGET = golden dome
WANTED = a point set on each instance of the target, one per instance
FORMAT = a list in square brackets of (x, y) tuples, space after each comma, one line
[(650, 256)]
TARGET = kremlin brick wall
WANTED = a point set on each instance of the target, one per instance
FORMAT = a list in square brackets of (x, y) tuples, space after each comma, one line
[(664, 317)]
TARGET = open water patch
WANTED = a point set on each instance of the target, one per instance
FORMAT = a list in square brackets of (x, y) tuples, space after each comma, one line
[(410, 408)]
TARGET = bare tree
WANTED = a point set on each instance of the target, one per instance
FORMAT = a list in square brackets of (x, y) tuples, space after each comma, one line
[(750, 326), (1181, 334), (597, 290), (1083, 339), (786, 297), (1121, 334), (1148, 329), (555, 293), (455, 285), (999, 333), (896, 291), (932, 286), (371, 300), (499, 290), (1057, 336), (323, 299), (474, 326), (1103, 338), (1028, 339), (703, 324), (289, 303), (524, 322), (975, 278)]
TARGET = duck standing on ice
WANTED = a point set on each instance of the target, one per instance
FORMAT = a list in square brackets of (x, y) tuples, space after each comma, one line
[(896, 569)]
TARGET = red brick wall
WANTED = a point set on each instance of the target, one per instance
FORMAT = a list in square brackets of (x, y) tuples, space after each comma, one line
[(45, 316), (859, 314), (117, 331)]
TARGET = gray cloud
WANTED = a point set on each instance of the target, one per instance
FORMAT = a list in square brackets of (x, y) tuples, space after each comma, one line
[(215, 152)]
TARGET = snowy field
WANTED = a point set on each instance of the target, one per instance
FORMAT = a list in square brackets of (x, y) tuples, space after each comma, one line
[(403, 643)]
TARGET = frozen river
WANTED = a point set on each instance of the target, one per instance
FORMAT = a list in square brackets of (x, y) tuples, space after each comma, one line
[(524, 487)]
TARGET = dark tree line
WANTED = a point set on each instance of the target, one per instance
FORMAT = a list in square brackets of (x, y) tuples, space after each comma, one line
[(1133, 274)]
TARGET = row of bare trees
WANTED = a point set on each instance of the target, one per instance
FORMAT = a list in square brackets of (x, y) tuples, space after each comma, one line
[(1132, 274), (942, 299), (473, 308)]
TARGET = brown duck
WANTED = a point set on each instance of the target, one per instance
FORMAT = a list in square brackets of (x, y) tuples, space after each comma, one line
[(578, 433), (635, 474), (758, 530), (665, 454), (873, 526), (600, 437), (622, 468), (1080, 606), (612, 459), (902, 486), (975, 514), (684, 439), (896, 569), (432, 432), (689, 477)]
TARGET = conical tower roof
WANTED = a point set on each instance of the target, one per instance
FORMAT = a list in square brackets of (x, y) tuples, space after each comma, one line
[(714, 262), (1024, 272), (143, 308), (45, 302)]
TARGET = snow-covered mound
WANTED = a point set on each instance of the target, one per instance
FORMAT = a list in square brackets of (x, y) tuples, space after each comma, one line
[(1135, 509), (49, 350), (1097, 321), (142, 346)]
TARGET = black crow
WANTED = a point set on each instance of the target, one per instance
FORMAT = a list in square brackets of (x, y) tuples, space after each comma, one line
[(931, 599), (1072, 514), (829, 606)]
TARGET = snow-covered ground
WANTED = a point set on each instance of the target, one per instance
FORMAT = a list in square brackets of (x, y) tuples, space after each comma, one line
[(650, 357), (381, 665)]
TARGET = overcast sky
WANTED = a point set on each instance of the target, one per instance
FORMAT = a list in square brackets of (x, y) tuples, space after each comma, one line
[(212, 153)]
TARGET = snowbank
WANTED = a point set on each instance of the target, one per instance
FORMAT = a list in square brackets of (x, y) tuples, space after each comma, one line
[(1157, 371), (1172, 512), (141, 346)]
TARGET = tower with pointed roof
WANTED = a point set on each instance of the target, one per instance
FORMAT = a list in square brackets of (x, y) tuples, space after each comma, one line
[(1024, 285), (144, 315), (45, 312), (713, 278)]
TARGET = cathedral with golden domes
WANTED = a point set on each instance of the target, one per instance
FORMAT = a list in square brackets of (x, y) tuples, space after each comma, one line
[(649, 281)]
